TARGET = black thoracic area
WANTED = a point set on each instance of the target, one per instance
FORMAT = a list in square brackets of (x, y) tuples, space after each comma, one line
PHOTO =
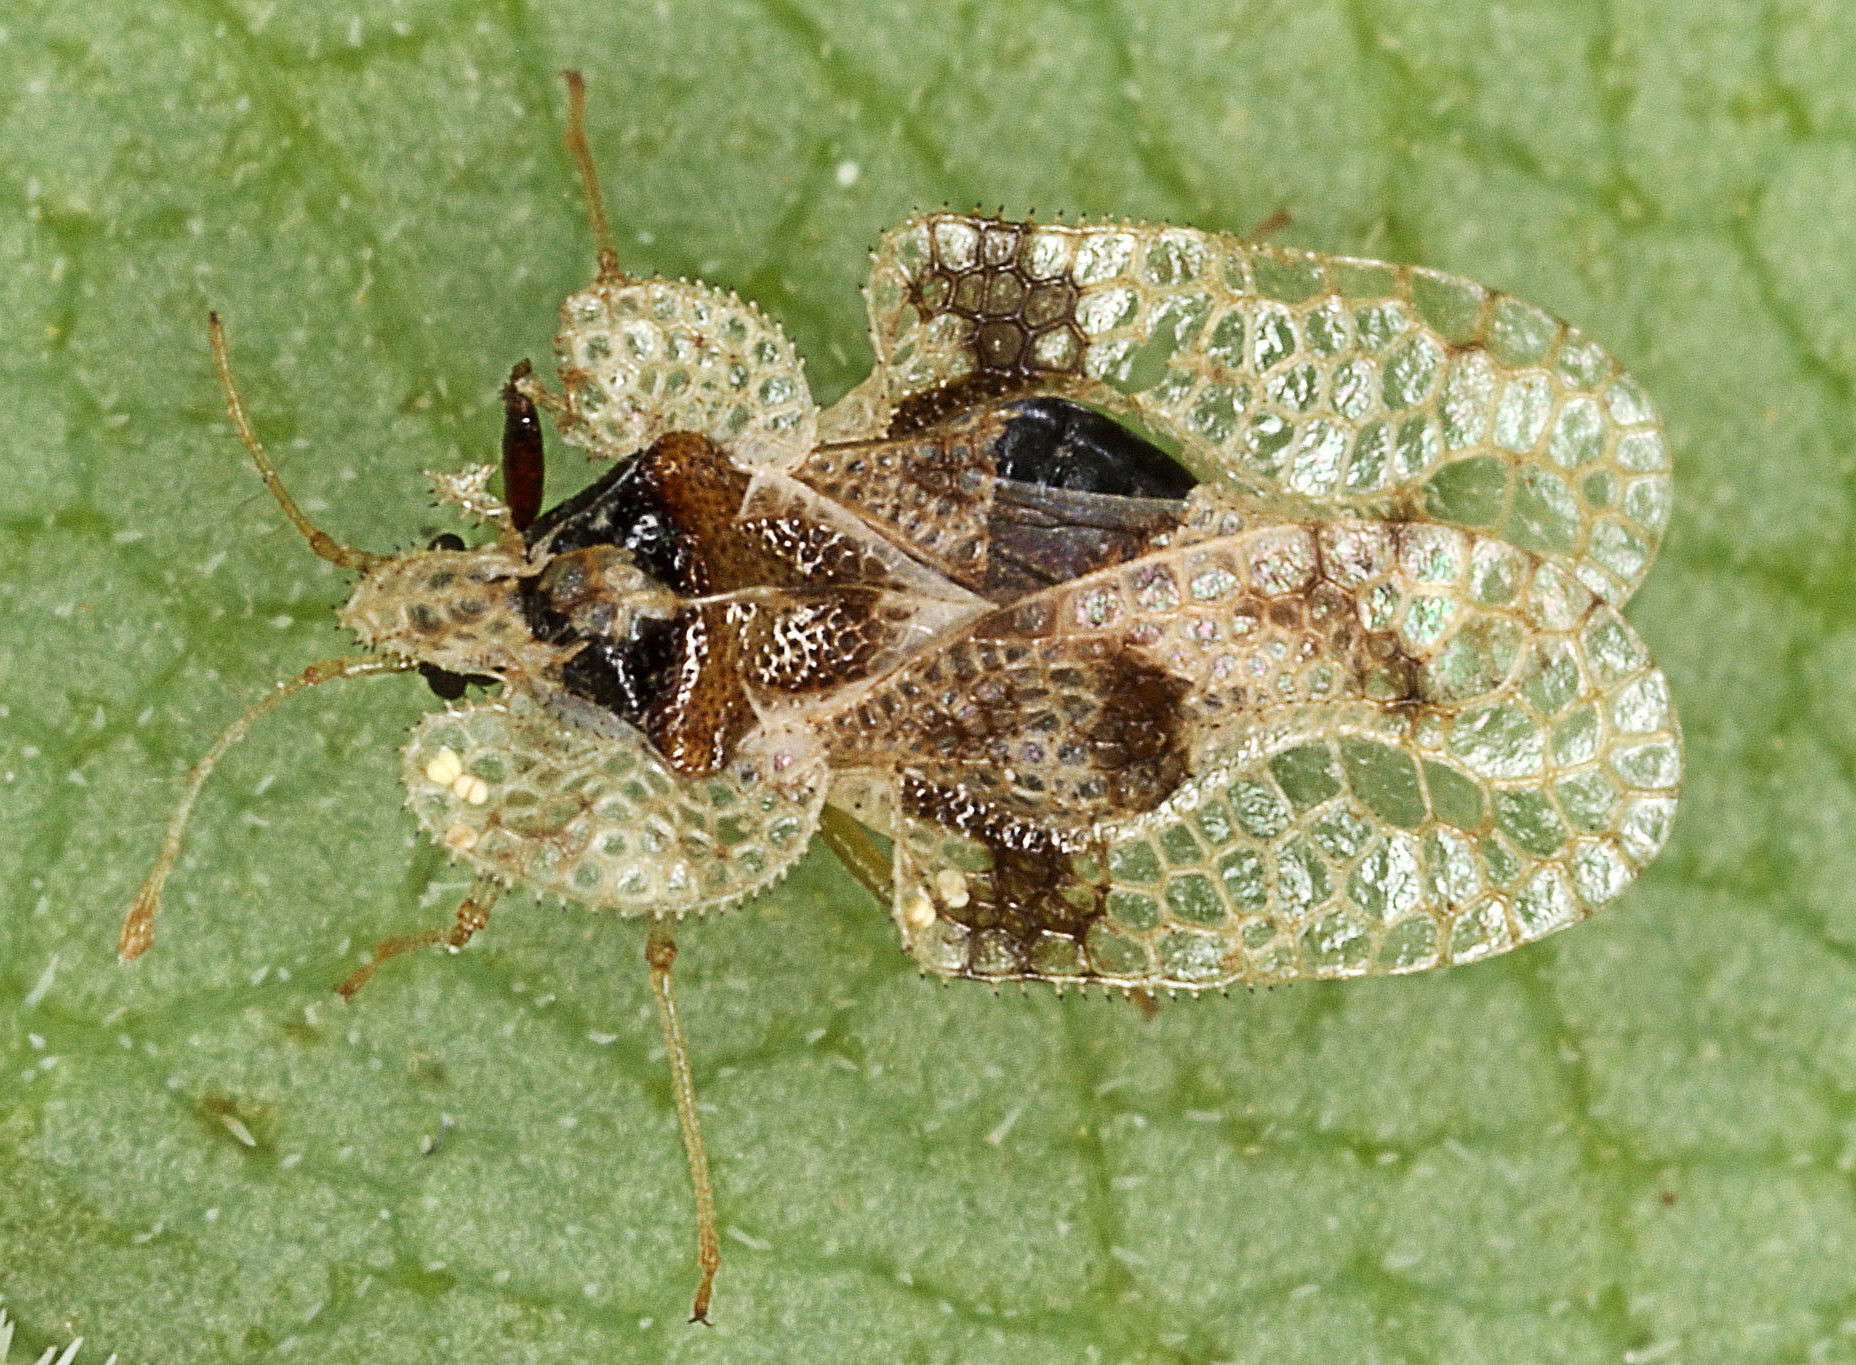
[(446, 685), (670, 508), (621, 674), (1061, 444), (623, 508), (626, 676)]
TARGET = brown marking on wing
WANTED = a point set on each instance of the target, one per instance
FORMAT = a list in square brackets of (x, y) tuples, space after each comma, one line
[(1376, 663), (1022, 901), (1022, 744), (1110, 718), (918, 412), (1021, 331), (813, 554), (931, 490)]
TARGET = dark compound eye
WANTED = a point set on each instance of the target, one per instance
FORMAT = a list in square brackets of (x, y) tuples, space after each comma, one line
[(449, 686), (447, 541), (445, 685)]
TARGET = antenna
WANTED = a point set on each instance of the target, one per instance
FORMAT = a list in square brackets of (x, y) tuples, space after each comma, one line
[(319, 541), (138, 930)]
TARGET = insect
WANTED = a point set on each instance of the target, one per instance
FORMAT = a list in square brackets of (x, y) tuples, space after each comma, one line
[(1179, 610)]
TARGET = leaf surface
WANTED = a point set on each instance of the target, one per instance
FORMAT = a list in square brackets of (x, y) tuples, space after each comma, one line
[(1632, 1142)]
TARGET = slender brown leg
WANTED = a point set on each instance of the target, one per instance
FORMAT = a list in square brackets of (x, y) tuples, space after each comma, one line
[(660, 952), (523, 456), (1143, 1000), (1270, 226), (852, 845), (473, 914)]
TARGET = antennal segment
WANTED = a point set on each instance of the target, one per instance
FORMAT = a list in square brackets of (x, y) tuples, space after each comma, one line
[(589, 178), (321, 542), (524, 458), (138, 930)]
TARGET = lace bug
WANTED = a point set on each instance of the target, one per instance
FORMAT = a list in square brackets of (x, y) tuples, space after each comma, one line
[(1182, 610)]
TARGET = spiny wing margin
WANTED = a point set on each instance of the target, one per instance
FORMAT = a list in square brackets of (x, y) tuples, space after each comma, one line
[(641, 358), (593, 815), (1528, 772), (1372, 389)]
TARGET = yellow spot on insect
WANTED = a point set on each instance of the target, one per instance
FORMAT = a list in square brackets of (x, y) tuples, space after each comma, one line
[(951, 882), (446, 769), (460, 838), (917, 910)]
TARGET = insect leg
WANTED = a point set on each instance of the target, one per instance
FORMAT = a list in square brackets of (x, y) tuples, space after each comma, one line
[(589, 177), (1270, 226), (523, 454), (660, 952), (852, 845), (319, 541), (473, 914), (138, 930)]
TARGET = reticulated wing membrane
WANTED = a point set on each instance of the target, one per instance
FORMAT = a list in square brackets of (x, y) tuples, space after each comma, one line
[(1371, 389), (642, 358), (593, 815), (1005, 498), (1030, 743), (932, 492), (1406, 746)]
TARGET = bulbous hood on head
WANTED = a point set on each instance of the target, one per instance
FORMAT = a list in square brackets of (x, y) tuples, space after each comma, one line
[(459, 610)]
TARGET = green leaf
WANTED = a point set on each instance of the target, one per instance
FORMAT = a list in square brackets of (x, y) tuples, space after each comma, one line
[(1631, 1143)]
